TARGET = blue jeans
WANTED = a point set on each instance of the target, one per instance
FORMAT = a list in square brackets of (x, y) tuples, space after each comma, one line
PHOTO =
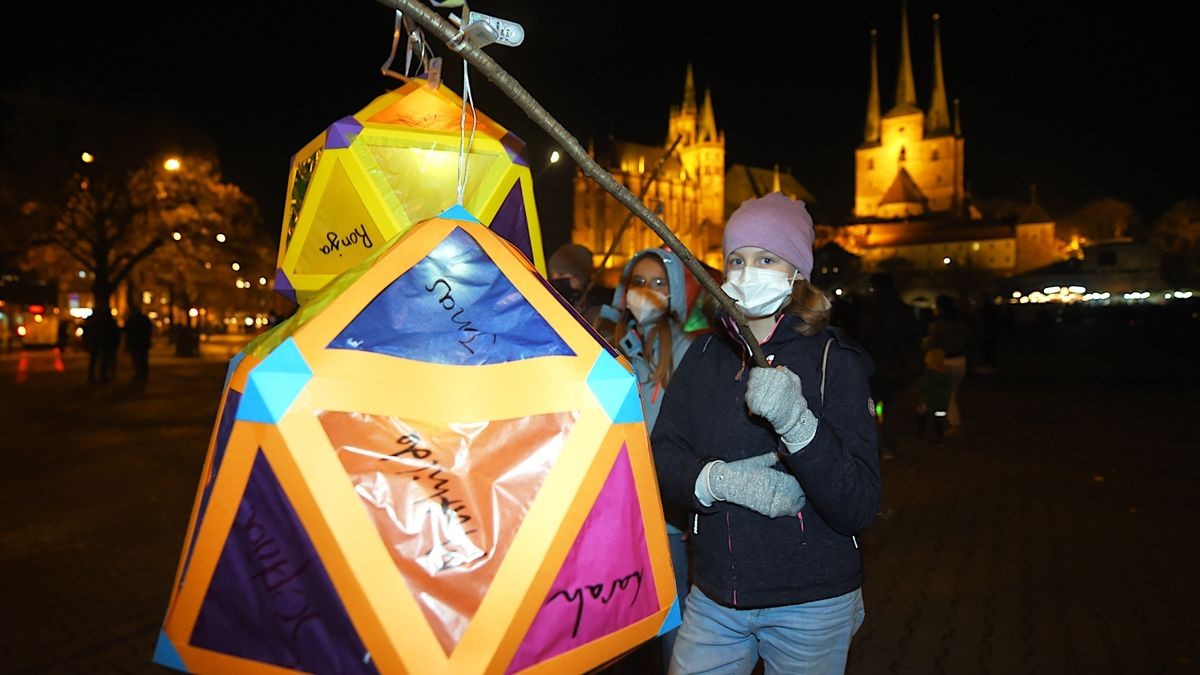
[(810, 638), (678, 548)]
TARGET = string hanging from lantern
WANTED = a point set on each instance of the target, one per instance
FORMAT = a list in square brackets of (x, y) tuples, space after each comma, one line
[(416, 39), (465, 143)]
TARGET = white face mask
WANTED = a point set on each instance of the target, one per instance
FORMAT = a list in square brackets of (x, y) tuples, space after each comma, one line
[(646, 306), (759, 292)]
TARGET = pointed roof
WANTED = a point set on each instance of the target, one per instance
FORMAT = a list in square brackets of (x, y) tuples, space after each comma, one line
[(871, 132), (1034, 213), (938, 121), (743, 182), (906, 91), (904, 190), (689, 91), (708, 121)]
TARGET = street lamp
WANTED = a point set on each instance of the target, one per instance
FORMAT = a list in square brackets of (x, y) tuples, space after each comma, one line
[(87, 157), (172, 164), (554, 157), (221, 237)]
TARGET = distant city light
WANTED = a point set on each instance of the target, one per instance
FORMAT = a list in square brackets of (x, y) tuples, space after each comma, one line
[(172, 164), (1051, 290), (837, 291), (262, 281), (87, 157), (236, 266), (1016, 294), (554, 157), (1077, 289), (193, 312), (176, 236), (249, 321), (946, 261), (221, 237)]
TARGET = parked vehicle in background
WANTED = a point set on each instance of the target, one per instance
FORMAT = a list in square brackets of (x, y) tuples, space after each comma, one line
[(35, 325)]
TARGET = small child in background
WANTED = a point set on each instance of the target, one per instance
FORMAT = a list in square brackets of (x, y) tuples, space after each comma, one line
[(933, 394)]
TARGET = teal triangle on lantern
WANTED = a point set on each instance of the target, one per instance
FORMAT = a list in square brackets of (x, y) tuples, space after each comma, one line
[(616, 390), (165, 653), (274, 384), (458, 212), (233, 364), (672, 620)]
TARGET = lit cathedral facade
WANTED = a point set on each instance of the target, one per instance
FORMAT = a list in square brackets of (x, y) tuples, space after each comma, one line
[(909, 199), (692, 193)]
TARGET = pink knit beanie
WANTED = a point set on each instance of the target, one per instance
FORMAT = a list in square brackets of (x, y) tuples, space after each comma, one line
[(777, 223)]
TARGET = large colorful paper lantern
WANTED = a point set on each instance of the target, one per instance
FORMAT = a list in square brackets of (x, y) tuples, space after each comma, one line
[(372, 175), (433, 467)]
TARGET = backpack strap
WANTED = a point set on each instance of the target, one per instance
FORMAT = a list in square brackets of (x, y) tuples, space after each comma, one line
[(824, 360)]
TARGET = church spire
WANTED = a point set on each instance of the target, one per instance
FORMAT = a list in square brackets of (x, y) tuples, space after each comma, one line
[(906, 91), (708, 121), (871, 133), (938, 121), (689, 91)]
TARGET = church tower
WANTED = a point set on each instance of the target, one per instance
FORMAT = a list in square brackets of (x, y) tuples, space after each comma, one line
[(688, 193), (910, 163), (703, 155)]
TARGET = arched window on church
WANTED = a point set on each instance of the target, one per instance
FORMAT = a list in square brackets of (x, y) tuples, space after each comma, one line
[(871, 164), (935, 156), (903, 152)]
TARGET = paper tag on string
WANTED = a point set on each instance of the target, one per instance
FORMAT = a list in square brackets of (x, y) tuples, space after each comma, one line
[(435, 72)]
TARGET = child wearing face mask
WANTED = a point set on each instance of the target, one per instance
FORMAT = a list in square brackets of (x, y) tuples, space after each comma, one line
[(648, 309), (779, 464)]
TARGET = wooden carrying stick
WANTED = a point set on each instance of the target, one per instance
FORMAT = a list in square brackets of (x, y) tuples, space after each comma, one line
[(461, 45)]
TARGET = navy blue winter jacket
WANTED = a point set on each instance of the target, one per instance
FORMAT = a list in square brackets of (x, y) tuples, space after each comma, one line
[(743, 559)]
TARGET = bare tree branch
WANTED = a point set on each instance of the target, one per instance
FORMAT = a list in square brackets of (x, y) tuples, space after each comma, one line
[(475, 56)]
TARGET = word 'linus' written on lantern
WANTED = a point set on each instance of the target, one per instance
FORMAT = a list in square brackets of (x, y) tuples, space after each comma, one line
[(442, 290), (357, 236)]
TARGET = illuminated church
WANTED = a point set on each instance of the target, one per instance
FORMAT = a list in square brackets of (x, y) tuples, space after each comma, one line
[(909, 201), (910, 204), (693, 192)]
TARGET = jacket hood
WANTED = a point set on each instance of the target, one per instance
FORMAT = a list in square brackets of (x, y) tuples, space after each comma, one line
[(676, 281)]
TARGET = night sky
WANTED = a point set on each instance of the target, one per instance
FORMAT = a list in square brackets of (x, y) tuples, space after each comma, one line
[(1085, 105)]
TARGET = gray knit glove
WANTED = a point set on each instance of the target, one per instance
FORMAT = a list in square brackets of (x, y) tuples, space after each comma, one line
[(751, 483), (775, 394)]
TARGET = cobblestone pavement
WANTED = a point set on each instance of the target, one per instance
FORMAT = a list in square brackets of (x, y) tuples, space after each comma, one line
[(1057, 535)]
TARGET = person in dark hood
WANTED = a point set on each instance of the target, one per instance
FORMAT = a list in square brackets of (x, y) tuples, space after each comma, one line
[(569, 271), (648, 311), (779, 463)]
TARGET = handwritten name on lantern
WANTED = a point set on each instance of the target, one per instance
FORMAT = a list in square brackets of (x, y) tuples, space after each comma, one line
[(279, 577), (596, 593), (442, 290), (357, 236), (455, 549)]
